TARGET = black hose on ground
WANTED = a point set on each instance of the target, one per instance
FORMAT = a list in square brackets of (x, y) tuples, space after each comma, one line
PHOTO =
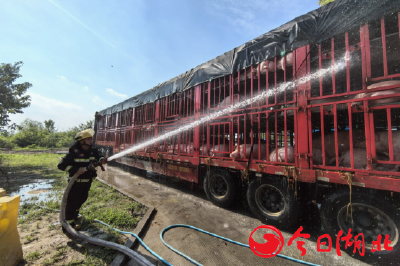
[(130, 253)]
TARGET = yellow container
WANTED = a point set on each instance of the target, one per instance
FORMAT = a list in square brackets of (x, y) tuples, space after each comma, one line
[(10, 245)]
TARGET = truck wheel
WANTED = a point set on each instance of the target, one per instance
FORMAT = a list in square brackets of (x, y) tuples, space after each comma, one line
[(220, 189), (371, 216), (272, 203)]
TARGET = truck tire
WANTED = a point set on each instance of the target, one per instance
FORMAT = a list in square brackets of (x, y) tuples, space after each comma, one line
[(371, 216), (220, 189), (272, 203)]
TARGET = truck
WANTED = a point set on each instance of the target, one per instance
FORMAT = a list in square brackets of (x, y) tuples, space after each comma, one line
[(332, 139)]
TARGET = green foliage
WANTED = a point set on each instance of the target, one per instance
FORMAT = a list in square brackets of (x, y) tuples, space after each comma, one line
[(32, 134), (49, 125), (324, 2), (12, 100)]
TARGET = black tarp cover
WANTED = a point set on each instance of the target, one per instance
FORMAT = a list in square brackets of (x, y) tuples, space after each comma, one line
[(311, 28)]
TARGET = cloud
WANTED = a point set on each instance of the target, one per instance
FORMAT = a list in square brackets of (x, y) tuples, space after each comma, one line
[(99, 101), (254, 17), (114, 93), (86, 88), (65, 114), (62, 78)]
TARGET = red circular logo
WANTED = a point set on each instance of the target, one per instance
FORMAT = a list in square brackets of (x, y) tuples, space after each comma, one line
[(270, 248)]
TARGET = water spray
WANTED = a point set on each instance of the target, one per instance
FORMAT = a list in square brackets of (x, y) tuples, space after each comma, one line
[(281, 88)]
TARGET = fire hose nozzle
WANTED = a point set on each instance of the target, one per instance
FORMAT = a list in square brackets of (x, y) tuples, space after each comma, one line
[(104, 161)]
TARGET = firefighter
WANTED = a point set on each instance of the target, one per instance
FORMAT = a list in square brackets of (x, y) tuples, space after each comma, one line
[(79, 161)]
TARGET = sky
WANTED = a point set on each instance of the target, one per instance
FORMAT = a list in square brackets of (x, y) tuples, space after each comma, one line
[(84, 56)]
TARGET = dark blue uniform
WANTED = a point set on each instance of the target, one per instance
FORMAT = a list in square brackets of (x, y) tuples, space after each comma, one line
[(76, 158)]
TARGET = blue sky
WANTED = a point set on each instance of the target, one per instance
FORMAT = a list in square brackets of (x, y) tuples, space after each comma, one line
[(84, 56)]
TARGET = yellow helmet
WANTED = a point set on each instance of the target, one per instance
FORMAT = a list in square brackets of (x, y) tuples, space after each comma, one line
[(88, 133)]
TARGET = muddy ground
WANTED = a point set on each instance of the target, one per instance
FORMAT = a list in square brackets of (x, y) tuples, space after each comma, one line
[(34, 176)]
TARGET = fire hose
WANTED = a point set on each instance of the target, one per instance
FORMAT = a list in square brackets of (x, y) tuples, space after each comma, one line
[(127, 251), (132, 254)]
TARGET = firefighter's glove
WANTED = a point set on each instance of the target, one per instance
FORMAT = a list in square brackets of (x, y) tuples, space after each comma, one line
[(104, 161), (90, 167)]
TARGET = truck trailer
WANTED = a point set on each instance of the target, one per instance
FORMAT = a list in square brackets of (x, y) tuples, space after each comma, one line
[(333, 140)]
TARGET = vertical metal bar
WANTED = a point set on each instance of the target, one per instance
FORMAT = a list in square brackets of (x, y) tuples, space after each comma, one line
[(209, 97), (310, 148), (372, 131), (245, 135), (208, 140), (276, 81), (398, 19), (266, 83), (252, 133), (258, 134), (336, 135), (238, 85), (333, 65), (383, 33), (245, 83), (267, 133), (214, 92), (219, 135), (231, 135), (213, 138), (251, 84), (368, 129), (224, 136), (276, 135), (390, 137), (284, 76), (224, 92), (323, 135), (238, 136), (346, 37), (285, 129), (351, 134), (320, 67), (259, 85), (219, 85)]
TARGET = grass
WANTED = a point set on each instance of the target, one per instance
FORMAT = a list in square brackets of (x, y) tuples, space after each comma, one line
[(31, 162), (33, 256), (36, 148), (104, 203)]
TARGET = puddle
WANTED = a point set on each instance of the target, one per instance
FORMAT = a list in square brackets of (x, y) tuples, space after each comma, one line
[(37, 188)]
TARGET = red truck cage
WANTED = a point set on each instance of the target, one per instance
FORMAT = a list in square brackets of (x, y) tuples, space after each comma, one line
[(324, 139)]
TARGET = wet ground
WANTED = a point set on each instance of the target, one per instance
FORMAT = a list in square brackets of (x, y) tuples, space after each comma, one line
[(178, 202), (37, 188)]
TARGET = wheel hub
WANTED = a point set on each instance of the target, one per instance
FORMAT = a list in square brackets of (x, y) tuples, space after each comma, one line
[(270, 200), (369, 221), (218, 186)]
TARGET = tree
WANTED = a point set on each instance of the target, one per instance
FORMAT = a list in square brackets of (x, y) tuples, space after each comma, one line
[(49, 125), (29, 132), (11, 95), (84, 126), (324, 2)]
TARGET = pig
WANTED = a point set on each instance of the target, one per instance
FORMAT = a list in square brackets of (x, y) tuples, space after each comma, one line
[(379, 93), (383, 84), (227, 101), (330, 152), (289, 61), (281, 155), (214, 151), (235, 153), (382, 142), (183, 149), (360, 159)]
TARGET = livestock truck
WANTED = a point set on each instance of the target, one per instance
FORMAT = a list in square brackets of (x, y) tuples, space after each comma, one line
[(332, 139)]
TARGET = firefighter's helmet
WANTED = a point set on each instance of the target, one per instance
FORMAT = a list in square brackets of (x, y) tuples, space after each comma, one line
[(88, 133)]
